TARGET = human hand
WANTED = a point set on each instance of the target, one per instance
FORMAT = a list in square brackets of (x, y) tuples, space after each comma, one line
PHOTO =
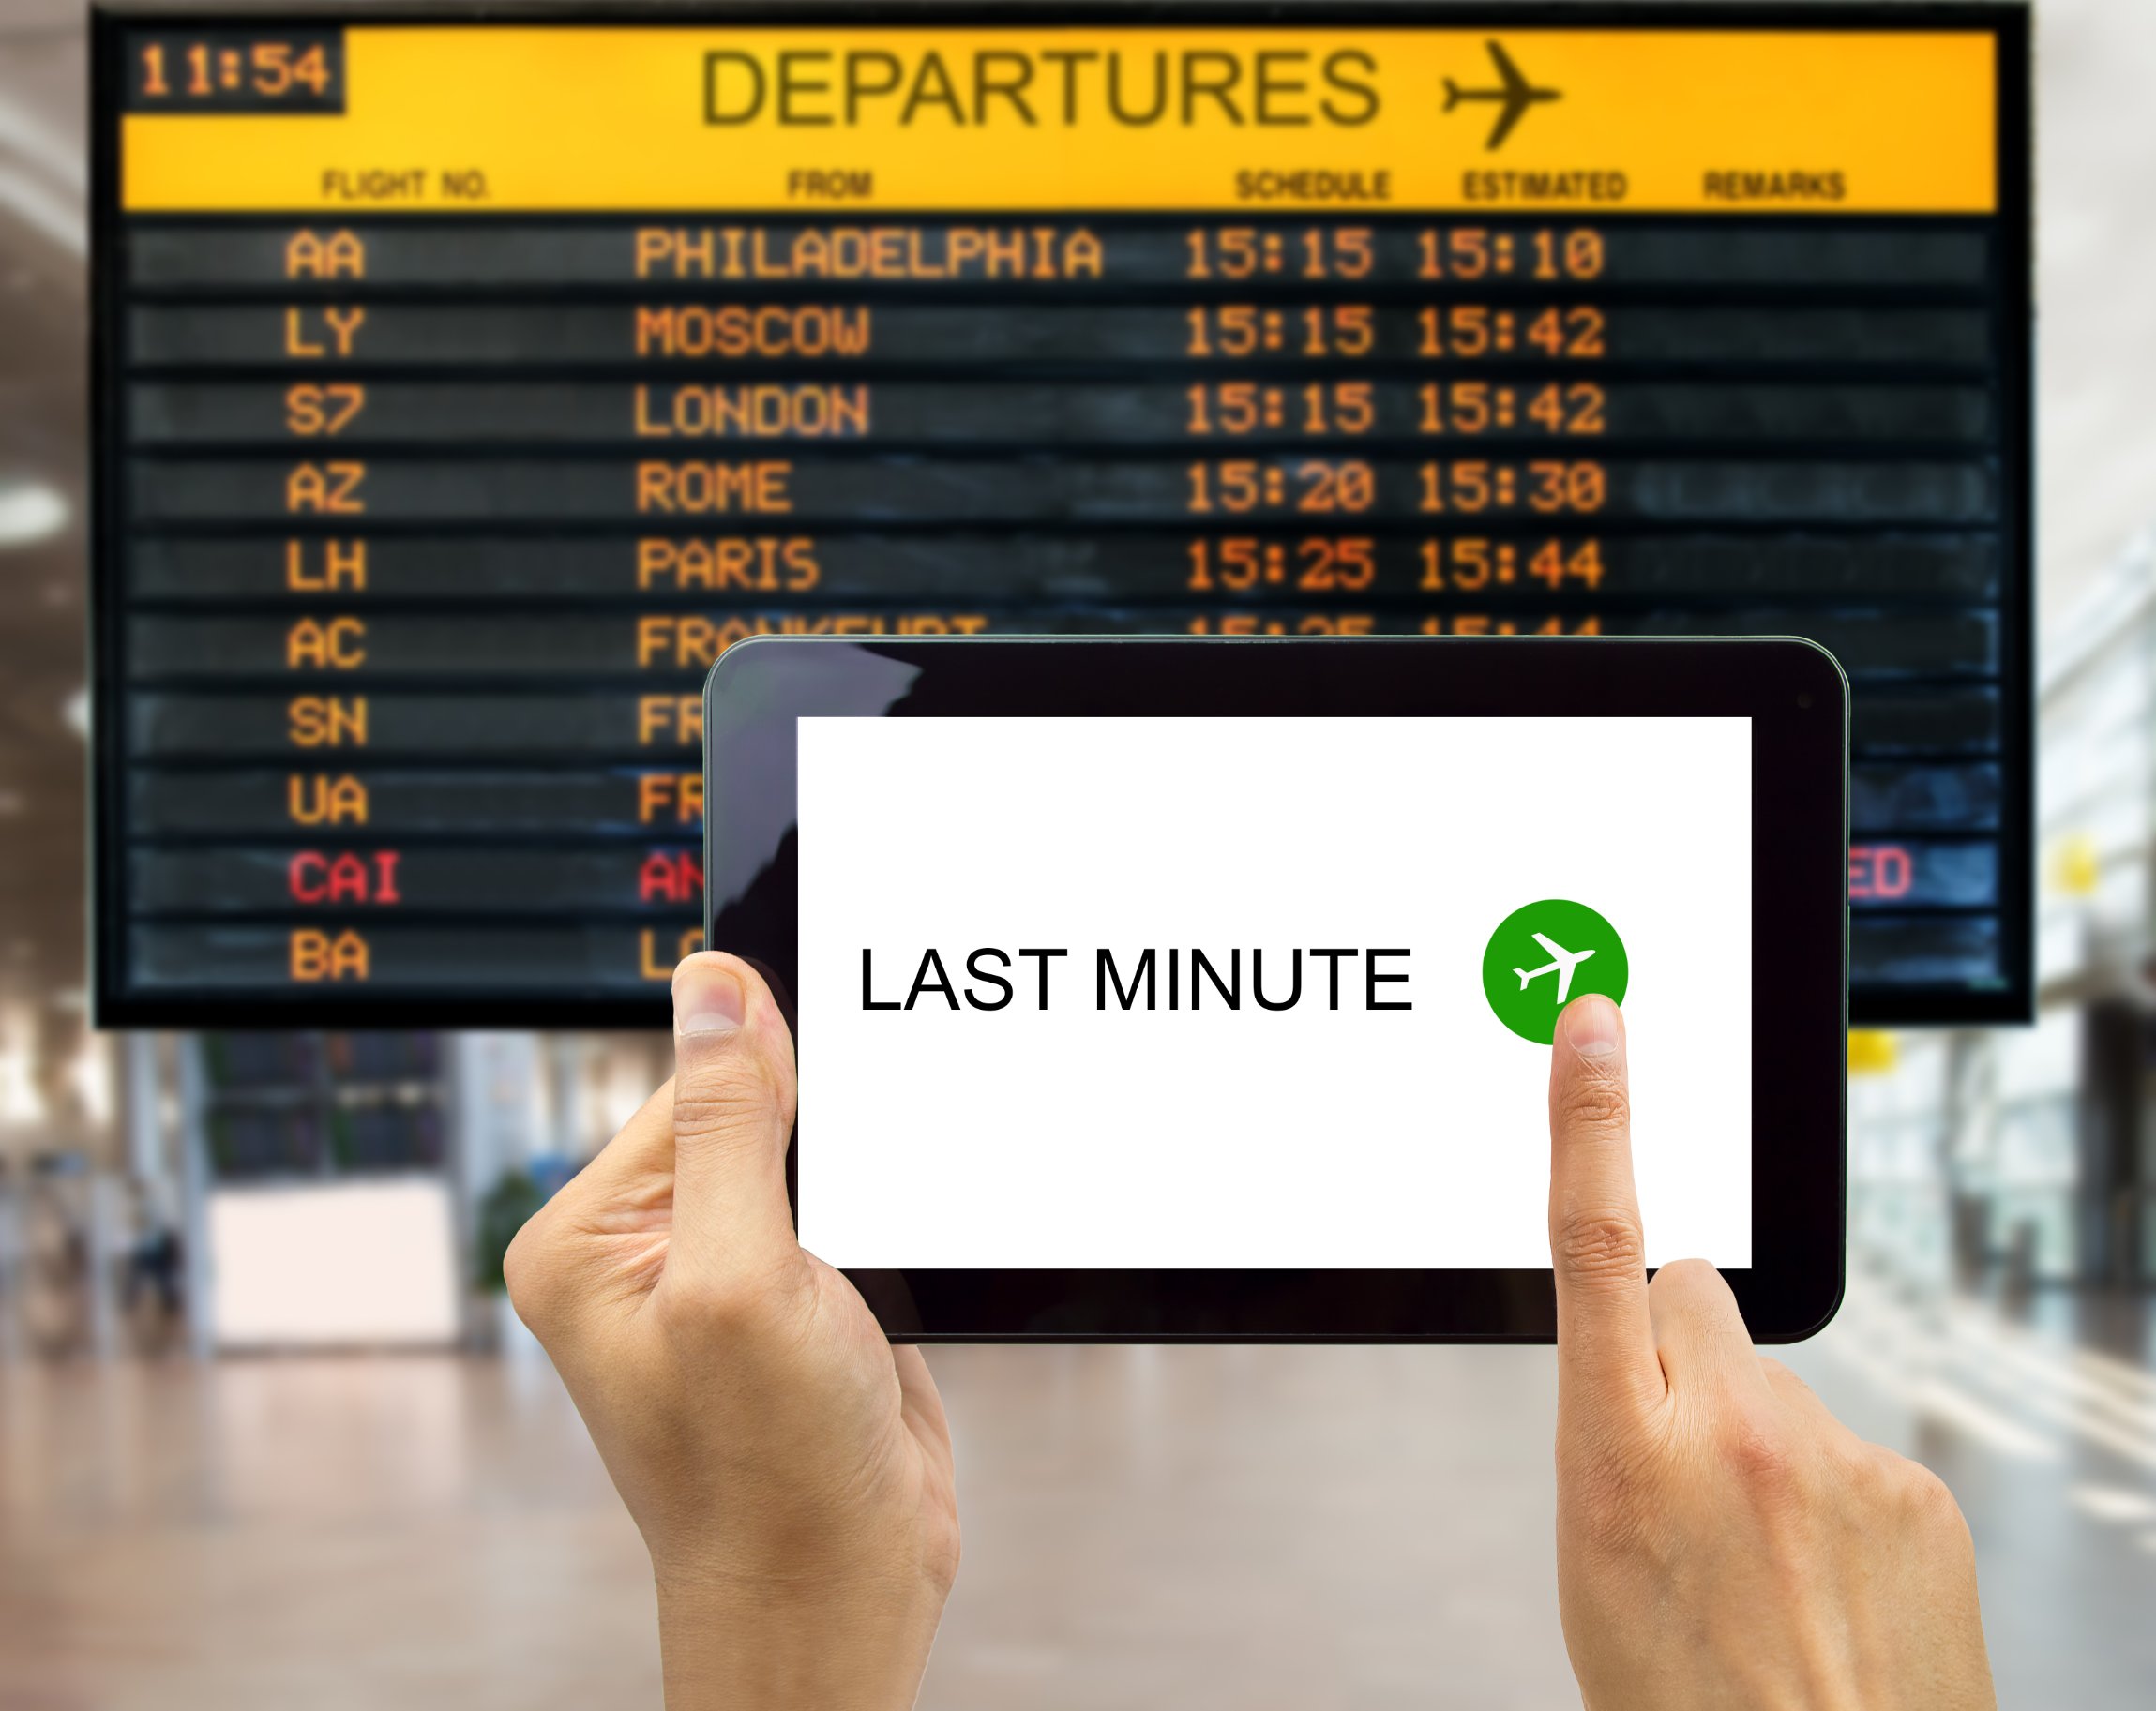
[(789, 1469), (1722, 1540)]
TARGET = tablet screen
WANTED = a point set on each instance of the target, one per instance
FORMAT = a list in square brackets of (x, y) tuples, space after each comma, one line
[(1260, 993)]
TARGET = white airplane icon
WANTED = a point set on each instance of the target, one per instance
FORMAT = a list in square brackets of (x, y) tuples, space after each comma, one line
[(1563, 964)]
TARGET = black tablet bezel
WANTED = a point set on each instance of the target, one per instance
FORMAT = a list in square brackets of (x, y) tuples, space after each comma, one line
[(1792, 691)]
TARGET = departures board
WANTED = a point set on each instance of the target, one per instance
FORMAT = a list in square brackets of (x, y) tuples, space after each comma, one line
[(467, 384)]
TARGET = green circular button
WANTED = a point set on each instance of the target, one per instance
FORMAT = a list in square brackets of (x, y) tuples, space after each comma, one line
[(1545, 955)]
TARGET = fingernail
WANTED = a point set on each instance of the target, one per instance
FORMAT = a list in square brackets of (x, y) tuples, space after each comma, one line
[(707, 999), (1591, 1026)]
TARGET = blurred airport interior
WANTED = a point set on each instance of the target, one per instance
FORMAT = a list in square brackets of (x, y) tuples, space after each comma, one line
[(270, 1436)]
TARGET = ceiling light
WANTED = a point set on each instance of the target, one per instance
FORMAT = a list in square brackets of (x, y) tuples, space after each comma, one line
[(30, 511)]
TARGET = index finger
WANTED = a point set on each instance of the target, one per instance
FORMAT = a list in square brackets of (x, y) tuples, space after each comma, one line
[(1598, 1252)]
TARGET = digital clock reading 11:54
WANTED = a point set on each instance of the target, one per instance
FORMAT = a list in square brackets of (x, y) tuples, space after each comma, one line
[(236, 71)]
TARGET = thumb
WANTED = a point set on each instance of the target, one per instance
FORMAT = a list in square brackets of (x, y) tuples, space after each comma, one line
[(732, 1116)]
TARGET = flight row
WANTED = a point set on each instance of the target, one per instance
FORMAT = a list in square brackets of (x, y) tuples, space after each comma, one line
[(333, 648), (1311, 489), (575, 726), (618, 958), (192, 254), (350, 795), (324, 340), (384, 414), (651, 568)]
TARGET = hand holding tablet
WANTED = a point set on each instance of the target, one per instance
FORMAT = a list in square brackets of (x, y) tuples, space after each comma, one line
[(1723, 1541), (789, 1469)]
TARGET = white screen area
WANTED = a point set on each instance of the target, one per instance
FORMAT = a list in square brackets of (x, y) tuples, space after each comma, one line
[(1079, 1138)]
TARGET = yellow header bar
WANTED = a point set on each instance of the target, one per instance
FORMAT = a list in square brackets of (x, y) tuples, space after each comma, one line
[(533, 118)]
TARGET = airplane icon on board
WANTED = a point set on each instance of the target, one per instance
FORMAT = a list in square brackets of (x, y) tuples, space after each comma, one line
[(1516, 94), (1562, 964)]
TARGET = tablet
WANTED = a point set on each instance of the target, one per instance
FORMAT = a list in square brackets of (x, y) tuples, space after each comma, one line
[(1166, 989)]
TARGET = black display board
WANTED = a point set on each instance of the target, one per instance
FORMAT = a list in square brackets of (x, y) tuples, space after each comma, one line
[(463, 392)]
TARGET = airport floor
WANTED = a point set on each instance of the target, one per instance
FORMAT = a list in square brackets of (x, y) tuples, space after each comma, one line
[(1205, 1529)]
